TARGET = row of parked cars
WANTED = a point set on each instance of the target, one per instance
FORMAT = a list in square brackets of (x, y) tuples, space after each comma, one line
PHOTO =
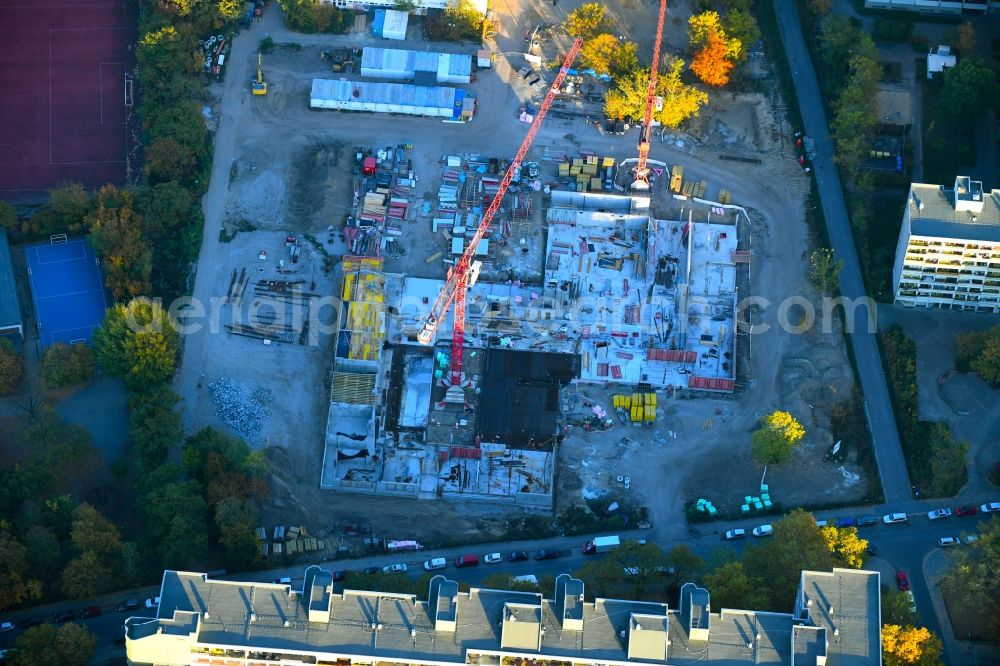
[(888, 519), (489, 558), (82, 614)]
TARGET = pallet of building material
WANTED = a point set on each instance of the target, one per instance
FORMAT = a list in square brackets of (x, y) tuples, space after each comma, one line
[(432, 258), (596, 184), (676, 178), (563, 169), (725, 197), (607, 162), (688, 188), (278, 549), (700, 190), (589, 169)]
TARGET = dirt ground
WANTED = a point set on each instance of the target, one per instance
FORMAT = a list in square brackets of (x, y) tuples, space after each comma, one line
[(283, 168)]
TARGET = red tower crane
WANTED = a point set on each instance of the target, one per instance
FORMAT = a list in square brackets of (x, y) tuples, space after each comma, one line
[(641, 168), (460, 276)]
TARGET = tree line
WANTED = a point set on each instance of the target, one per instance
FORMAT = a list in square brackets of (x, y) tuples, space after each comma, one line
[(717, 44)]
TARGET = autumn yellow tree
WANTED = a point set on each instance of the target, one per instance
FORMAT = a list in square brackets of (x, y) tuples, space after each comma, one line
[(680, 101), (777, 438), (606, 54), (588, 20), (711, 64), (909, 646), (847, 548), (137, 342)]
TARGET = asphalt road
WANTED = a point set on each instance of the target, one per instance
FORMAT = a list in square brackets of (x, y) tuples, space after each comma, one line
[(888, 450), (903, 546)]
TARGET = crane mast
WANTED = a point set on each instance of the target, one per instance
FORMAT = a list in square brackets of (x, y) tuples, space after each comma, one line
[(642, 168), (459, 276)]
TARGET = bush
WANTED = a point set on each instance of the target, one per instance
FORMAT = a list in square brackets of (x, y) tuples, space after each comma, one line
[(63, 364), (314, 16), (994, 474), (11, 367), (892, 30)]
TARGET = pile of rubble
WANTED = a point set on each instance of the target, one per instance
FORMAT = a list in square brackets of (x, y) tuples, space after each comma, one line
[(242, 408)]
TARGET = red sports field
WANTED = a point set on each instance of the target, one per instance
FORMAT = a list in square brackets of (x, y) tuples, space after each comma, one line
[(63, 85)]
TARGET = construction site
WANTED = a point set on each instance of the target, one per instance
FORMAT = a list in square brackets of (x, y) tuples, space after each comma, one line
[(529, 327)]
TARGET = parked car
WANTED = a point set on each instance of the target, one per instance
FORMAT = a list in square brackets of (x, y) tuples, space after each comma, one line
[(846, 522), (822, 523), (285, 580), (966, 510), (337, 576), (738, 533), (938, 513), (518, 556), (902, 581), (371, 570), (867, 521), (945, 542), (467, 561), (6, 654), (631, 571), (153, 602), (127, 605), (893, 518), (547, 554), (6, 626), (394, 568), (493, 558), (970, 538), (63, 616), (90, 611), (435, 564), (992, 507), (763, 531)]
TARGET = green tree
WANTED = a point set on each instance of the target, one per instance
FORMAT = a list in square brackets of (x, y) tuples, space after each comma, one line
[(230, 10), (43, 551), (16, 582), (177, 523), (63, 213), (116, 232), (589, 20), (168, 160), (975, 578), (69, 645), (154, 424), (11, 367), (969, 88), (979, 352), (896, 608), (820, 7), (680, 565), (776, 439), (910, 646), (236, 519), (8, 218), (854, 117), (824, 271), (210, 455), (64, 365), (172, 224), (137, 342), (943, 469), (741, 25), (98, 545), (797, 545), (601, 575), (732, 587)]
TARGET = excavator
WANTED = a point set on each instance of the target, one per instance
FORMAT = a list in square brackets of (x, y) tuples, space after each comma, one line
[(259, 85)]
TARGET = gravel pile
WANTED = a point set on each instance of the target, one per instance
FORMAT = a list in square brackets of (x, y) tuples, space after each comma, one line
[(243, 408)]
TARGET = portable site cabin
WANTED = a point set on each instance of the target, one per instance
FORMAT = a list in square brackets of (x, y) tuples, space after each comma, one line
[(390, 24), (344, 95), (421, 66)]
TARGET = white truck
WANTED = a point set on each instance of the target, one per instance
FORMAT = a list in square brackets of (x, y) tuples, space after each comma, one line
[(601, 544)]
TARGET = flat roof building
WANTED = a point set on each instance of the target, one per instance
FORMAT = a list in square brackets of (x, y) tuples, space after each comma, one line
[(836, 621), (948, 254)]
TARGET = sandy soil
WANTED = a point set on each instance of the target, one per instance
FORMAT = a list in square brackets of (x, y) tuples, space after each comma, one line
[(283, 168)]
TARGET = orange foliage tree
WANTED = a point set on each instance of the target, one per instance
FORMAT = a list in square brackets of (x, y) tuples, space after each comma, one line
[(711, 63)]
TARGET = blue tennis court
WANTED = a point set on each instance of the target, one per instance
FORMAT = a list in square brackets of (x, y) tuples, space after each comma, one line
[(68, 290)]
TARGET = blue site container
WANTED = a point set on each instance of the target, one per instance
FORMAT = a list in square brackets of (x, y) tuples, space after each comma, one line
[(379, 23)]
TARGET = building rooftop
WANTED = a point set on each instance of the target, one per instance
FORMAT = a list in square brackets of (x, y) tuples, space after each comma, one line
[(480, 625), (966, 211)]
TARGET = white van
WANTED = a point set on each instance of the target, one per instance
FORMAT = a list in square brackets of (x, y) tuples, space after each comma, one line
[(436, 563)]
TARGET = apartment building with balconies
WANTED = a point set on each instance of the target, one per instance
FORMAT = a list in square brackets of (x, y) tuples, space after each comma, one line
[(948, 254)]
